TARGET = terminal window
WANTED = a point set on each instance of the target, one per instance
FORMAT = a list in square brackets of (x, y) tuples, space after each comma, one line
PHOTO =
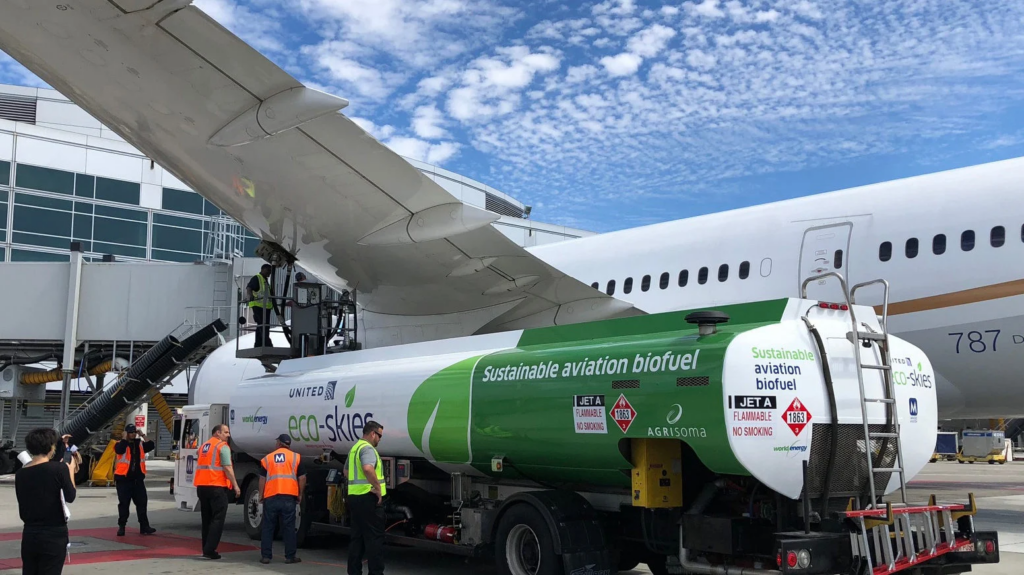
[(5, 173), (44, 179), (117, 191), (182, 201), (85, 186)]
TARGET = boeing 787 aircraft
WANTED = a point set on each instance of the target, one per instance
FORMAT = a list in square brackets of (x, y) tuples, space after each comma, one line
[(282, 159)]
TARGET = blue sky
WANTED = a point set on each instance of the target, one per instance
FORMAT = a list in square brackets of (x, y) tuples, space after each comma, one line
[(607, 115)]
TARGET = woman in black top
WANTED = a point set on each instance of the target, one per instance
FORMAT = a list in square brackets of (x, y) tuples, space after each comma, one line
[(39, 486)]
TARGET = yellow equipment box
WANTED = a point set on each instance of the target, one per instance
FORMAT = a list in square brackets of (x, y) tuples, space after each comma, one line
[(657, 473)]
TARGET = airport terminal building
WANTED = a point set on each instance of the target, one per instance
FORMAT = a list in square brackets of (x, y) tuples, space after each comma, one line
[(65, 177)]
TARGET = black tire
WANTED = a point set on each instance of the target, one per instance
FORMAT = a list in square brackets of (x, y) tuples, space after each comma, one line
[(656, 563), (628, 558), (524, 544), (252, 512), (7, 460)]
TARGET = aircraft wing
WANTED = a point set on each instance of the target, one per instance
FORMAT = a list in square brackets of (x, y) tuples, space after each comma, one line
[(282, 160)]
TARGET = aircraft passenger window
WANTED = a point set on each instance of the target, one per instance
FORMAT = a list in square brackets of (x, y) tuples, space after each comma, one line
[(967, 240), (1022, 233), (885, 251), (684, 276), (594, 285), (912, 248), (627, 286), (744, 270), (645, 284), (663, 282), (723, 272), (939, 244), (702, 276), (611, 287), (998, 236), (837, 261)]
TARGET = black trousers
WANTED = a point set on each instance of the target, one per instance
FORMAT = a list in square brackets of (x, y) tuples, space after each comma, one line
[(43, 550), (213, 505), (129, 491), (367, 538), (262, 318)]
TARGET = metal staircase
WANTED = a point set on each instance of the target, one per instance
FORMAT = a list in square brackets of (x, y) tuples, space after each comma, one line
[(892, 537)]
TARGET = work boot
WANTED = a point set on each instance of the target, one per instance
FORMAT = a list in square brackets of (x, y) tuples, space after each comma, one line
[(147, 530), (293, 560), (265, 560), (213, 555), (120, 531)]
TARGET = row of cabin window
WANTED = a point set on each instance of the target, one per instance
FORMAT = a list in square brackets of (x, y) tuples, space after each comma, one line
[(996, 238), (682, 279)]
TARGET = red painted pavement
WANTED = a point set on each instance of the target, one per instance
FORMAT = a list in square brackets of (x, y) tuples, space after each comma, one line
[(158, 546)]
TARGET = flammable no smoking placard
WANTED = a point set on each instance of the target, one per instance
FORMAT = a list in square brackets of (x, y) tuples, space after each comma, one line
[(588, 414)]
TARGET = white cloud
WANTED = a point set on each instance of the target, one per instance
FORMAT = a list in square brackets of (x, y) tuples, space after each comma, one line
[(491, 85), (616, 7), (701, 59), (669, 10), (807, 10), (332, 59), (422, 150), (707, 8), (624, 64), (427, 123), (650, 41), (577, 74), (379, 132)]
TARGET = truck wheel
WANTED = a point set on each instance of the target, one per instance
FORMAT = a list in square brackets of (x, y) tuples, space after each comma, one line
[(523, 545), (252, 511)]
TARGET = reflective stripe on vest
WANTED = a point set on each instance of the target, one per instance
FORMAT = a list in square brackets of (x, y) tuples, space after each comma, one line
[(124, 462), (282, 473), (257, 296), (209, 467), (358, 484)]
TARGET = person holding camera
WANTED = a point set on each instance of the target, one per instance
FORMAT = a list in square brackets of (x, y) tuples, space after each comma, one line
[(44, 486), (130, 478)]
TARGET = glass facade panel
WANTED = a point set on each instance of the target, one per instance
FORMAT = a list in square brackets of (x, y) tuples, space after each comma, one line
[(177, 239), (103, 248), (45, 179), (29, 256), (179, 222), (40, 240), (24, 199), (85, 186), (164, 255), (36, 220), (117, 191), (182, 201), (250, 247), (3, 254), (210, 209), (84, 208), (82, 227), (120, 231), (3, 195), (5, 175), (136, 215)]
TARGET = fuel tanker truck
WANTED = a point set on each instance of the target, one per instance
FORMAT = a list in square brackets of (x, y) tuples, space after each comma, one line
[(756, 439)]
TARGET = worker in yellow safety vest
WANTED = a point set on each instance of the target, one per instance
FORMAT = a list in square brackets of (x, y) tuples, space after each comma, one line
[(282, 482), (365, 473), (130, 478), (214, 480), (258, 295)]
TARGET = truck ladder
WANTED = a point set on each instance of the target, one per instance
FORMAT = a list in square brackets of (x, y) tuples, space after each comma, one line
[(862, 334)]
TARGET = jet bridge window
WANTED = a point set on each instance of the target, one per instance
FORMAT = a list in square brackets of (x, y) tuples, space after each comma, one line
[(611, 287), (939, 244), (645, 284), (627, 286), (967, 240), (702, 276), (663, 281), (912, 247), (998, 236), (723, 272), (684, 276), (744, 270), (885, 251)]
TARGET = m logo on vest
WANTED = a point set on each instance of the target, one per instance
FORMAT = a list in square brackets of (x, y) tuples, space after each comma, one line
[(278, 458), (206, 448)]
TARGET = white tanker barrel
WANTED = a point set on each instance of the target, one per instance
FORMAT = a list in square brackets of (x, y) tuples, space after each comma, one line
[(556, 403)]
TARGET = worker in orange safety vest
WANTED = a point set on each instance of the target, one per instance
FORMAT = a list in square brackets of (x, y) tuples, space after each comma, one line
[(130, 478), (282, 483), (214, 480)]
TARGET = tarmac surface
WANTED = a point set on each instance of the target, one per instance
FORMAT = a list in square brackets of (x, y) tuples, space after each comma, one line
[(175, 549)]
